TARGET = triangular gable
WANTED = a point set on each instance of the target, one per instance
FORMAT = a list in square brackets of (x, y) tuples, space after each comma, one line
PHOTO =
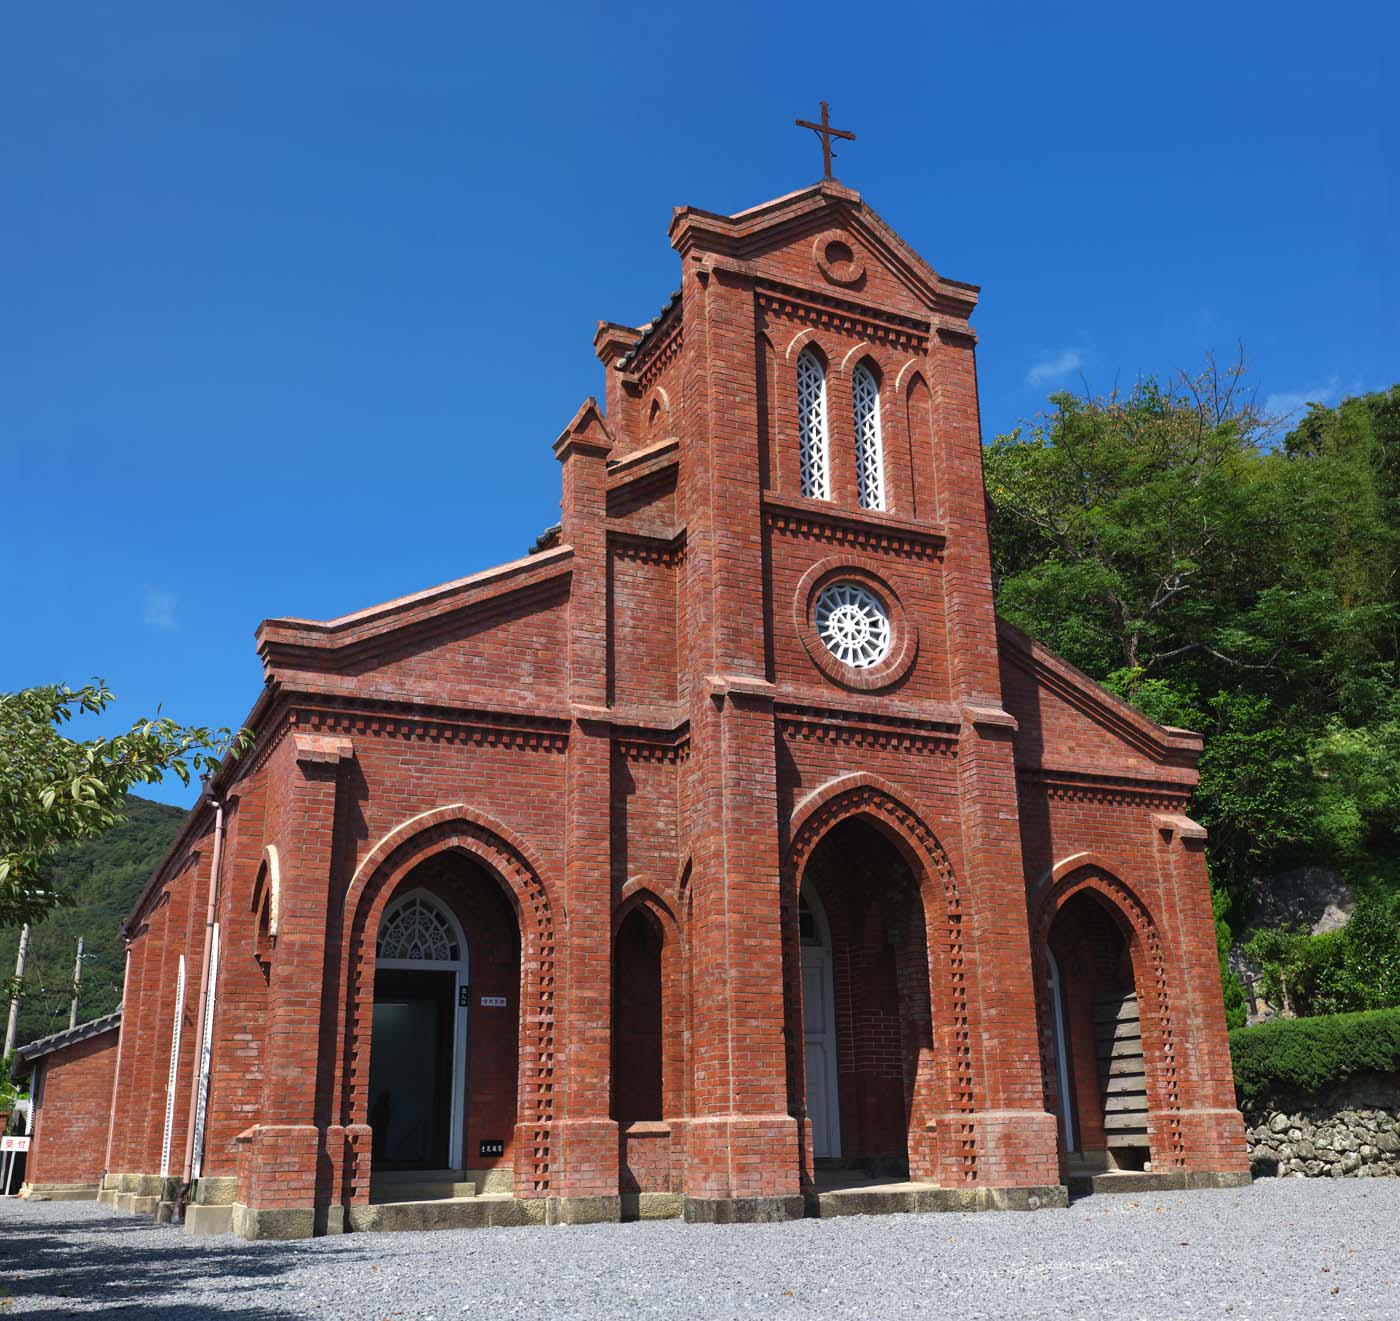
[(750, 235), (1056, 705), (347, 642)]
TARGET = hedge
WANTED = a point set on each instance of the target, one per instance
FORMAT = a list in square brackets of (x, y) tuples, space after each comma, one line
[(1310, 1054)]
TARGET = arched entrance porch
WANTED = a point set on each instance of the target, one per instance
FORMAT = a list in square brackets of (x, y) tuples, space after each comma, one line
[(492, 885), (870, 895), (444, 1039), (1108, 1057)]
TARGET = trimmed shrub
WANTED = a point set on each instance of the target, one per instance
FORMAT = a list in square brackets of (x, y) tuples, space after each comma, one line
[(1310, 1054)]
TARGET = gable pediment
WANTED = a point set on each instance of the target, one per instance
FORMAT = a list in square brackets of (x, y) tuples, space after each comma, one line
[(355, 643), (825, 239), (1067, 721)]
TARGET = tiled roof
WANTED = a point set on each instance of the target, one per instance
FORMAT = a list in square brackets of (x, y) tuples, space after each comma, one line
[(95, 1027), (673, 302), (548, 538)]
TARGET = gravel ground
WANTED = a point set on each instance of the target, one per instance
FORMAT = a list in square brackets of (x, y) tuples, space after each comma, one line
[(1289, 1248)]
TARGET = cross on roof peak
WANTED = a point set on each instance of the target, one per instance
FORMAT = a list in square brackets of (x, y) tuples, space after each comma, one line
[(825, 132)]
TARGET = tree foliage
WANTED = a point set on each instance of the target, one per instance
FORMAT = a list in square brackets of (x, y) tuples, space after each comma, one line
[(55, 790), (1223, 576), (102, 878)]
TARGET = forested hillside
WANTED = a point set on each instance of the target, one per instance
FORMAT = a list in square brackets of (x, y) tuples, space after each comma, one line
[(1240, 578), (103, 877)]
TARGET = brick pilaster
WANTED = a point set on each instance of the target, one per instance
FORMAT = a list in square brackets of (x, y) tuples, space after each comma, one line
[(587, 1163), (1212, 1129), (285, 1163)]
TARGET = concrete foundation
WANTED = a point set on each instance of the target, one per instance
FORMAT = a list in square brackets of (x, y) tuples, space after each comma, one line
[(1136, 1181), (206, 1221), (60, 1192), (742, 1210)]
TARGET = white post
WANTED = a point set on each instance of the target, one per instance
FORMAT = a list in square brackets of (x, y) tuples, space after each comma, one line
[(77, 978), (174, 1069), (13, 1023), (206, 1052)]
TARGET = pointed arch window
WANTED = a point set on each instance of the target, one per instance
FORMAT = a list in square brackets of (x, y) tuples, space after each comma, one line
[(811, 421), (870, 445)]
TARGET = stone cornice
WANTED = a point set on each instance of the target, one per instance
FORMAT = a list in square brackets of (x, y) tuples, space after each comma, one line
[(860, 529), (940, 721), (643, 463), (814, 727), (1082, 785), (654, 354), (395, 720), (648, 547), (862, 320)]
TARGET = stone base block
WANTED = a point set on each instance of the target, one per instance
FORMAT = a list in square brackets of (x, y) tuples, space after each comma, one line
[(918, 1199), (205, 1221), (220, 1191), (584, 1210), (1136, 1181), (165, 1213), (142, 1185), (743, 1210), (107, 1197), (494, 1210), (137, 1205), (281, 1222), (652, 1206), (60, 1192)]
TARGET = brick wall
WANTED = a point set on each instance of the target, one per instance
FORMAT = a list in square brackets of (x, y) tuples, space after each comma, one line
[(74, 1086)]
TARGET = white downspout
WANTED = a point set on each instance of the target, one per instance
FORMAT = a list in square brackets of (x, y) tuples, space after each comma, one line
[(117, 1071), (204, 1023)]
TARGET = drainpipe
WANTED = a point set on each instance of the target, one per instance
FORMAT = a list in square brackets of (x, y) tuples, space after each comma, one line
[(117, 1072), (206, 990)]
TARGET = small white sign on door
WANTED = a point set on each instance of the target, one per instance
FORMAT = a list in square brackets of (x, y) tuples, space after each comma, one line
[(14, 1143), (493, 1002)]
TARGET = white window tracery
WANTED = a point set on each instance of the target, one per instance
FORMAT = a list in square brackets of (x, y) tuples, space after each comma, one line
[(811, 421), (853, 624), (417, 929), (870, 445)]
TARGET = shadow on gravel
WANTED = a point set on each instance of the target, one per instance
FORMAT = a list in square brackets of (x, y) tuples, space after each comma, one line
[(117, 1268)]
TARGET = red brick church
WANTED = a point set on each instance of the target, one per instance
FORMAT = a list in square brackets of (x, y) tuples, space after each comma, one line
[(723, 857)]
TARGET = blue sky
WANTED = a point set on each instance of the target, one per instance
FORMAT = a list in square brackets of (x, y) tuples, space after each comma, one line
[(294, 298)]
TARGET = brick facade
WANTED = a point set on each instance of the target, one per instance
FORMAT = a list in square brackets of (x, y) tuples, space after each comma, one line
[(617, 761)]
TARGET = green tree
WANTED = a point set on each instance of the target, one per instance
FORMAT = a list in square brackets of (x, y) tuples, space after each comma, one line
[(1167, 543), (55, 790)]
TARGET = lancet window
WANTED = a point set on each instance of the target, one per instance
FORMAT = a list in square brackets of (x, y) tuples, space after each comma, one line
[(811, 421), (870, 447)]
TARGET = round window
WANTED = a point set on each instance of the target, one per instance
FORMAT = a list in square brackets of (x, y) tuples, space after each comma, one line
[(853, 624)]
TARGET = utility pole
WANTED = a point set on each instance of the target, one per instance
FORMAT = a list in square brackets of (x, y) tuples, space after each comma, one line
[(77, 977), (14, 999)]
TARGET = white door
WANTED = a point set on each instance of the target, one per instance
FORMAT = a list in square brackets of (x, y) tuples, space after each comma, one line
[(819, 1033)]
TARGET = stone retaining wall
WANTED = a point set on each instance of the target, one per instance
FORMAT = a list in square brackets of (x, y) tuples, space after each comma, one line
[(1350, 1132)]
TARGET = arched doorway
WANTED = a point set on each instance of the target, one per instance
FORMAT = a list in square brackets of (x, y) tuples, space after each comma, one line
[(871, 1016), (444, 1032), (418, 1055), (819, 1027), (1094, 1031)]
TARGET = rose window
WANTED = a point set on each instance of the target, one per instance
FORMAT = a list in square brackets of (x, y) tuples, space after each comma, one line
[(853, 625)]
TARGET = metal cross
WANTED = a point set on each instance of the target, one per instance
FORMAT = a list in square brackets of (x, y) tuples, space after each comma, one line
[(825, 132)]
